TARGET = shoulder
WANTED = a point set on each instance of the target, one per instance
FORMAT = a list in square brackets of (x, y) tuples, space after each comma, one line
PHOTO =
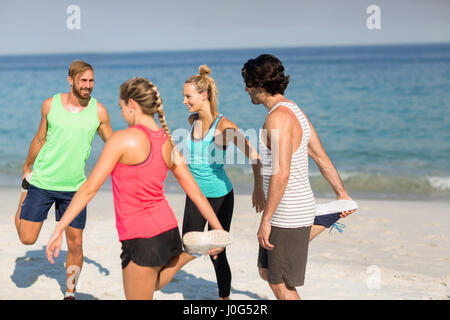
[(46, 105), (48, 101), (225, 123), (130, 137), (280, 118), (101, 111), (125, 141)]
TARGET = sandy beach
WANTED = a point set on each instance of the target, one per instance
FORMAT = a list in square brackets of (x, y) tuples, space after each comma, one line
[(388, 250)]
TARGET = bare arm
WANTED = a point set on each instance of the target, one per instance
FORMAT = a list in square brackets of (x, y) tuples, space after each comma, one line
[(39, 139), (229, 132), (326, 167), (104, 130), (281, 155)]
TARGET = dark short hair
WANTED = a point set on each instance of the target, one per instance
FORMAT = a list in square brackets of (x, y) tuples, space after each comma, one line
[(267, 72)]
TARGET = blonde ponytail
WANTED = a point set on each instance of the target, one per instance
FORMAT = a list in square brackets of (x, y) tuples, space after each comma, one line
[(204, 70)]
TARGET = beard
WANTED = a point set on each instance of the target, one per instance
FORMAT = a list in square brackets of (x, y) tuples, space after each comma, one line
[(82, 95), (254, 99)]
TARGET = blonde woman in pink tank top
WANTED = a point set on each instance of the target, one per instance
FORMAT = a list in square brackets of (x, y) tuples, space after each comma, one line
[(138, 159)]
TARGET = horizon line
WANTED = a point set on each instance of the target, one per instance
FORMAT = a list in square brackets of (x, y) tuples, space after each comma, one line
[(227, 48)]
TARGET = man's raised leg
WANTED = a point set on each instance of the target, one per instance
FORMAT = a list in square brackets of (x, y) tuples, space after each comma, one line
[(28, 231), (23, 195)]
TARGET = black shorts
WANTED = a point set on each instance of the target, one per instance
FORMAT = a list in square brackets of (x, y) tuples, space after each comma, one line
[(152, 252)]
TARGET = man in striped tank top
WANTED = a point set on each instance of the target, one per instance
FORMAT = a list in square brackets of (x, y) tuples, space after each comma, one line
[(287, 138)]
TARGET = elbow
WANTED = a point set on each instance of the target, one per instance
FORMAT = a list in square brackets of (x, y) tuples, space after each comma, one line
[(37, 143), (90, 193), (40, 139), (325, 164), (322, 161), (89, 190), (197, 197), (281, 175)]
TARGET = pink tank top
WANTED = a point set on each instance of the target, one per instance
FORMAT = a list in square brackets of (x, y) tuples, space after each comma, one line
[(142, 210)]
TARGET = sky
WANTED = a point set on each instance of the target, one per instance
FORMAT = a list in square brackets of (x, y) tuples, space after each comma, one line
[(40, 26)]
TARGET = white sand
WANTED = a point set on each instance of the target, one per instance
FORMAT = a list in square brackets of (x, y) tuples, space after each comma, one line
[(388, 250)]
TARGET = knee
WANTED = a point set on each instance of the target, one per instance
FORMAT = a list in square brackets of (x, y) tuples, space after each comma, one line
[(263, 273), (279, 293), (75, 245), (284, 292), (27, 239), (28, 232)]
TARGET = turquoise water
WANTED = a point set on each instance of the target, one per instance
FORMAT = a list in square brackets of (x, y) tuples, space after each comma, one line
[(382, 112)]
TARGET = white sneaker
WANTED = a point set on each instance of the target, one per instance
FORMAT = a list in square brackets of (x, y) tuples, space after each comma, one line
[(336, 206), (197, 242)]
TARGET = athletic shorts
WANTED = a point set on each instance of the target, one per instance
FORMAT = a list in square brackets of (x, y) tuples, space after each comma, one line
[(38, 202), (286, 262), (327, 220), (156, 251)]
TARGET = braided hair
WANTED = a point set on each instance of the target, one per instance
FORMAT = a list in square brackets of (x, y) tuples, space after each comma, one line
[(146, 94)]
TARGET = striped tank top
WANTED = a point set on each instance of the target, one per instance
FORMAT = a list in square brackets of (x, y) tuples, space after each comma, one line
[(297, 206)]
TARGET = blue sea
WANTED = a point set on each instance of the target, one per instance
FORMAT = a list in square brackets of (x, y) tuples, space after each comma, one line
[(381, 112)]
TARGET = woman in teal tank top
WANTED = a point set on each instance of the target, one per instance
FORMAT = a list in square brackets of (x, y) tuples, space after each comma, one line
[(206, 145)]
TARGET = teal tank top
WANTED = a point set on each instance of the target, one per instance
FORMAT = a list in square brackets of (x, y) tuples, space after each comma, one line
[(206, 162)]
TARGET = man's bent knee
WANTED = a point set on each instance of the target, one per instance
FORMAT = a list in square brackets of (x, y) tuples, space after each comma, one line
[(75, 246), (27, 240), (28, 231)]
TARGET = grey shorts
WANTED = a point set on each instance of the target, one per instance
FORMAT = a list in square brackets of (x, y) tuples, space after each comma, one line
[(286, 262)]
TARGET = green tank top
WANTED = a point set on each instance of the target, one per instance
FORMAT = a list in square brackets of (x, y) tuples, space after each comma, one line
[(59, 166)]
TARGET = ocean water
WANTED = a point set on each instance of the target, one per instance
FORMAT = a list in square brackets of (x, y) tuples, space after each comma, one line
[(381, 112)]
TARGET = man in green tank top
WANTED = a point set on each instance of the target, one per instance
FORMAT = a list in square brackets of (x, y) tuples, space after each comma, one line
[(58, 154)]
